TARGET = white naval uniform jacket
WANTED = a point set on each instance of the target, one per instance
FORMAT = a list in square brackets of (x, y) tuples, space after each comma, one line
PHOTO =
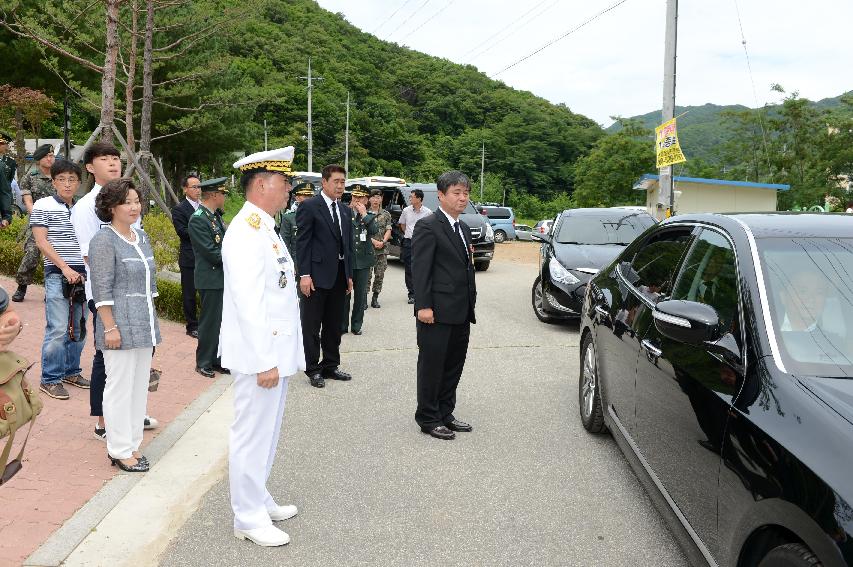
[(260, 319)]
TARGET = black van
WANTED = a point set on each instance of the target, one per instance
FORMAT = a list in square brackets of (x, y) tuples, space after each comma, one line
[(394, 199)]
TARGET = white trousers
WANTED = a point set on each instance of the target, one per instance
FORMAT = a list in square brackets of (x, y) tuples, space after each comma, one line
[(125, 399), (258, 413)]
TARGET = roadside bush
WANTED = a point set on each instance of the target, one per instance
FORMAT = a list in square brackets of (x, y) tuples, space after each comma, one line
[(164, 240), (169, 302), (12, 248)]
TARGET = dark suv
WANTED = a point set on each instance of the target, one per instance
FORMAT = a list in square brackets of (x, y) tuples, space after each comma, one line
[(581, 242), (394, 199)]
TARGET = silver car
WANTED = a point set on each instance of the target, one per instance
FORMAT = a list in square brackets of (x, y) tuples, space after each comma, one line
[(523, 232)]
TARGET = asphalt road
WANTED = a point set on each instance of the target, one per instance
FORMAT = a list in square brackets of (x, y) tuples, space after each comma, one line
[(528, 487)]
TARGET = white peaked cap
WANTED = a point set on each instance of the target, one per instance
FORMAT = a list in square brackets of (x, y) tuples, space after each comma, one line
[(277, 160)]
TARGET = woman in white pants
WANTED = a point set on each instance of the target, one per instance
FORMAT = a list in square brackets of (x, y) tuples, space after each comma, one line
[(124, 286)]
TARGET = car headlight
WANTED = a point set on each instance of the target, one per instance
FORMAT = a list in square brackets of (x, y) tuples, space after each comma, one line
[(561, 274), (490, 233)]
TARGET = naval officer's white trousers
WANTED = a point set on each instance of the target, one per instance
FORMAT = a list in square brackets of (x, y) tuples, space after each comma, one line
[(258, 413)]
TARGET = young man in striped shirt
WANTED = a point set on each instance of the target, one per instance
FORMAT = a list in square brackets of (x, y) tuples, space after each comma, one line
[(53, 232)]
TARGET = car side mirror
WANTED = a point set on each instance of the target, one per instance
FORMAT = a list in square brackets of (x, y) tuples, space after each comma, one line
[(687, 321), (541, 237)]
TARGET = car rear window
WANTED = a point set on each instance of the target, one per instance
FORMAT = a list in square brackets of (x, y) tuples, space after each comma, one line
[(497, 212), (603, 229)]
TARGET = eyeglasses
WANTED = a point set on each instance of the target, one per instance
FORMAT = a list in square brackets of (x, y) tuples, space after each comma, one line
[(67, 180)]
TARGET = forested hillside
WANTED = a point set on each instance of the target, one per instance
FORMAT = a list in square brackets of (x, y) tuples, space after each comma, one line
[(412, 115)]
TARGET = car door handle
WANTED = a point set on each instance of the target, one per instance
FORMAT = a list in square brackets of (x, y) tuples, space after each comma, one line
[(651, 349)]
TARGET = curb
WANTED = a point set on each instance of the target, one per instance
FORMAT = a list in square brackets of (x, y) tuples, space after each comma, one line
[(63, 542)]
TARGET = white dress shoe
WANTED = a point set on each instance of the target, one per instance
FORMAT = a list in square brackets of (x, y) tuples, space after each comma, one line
[(282, 513), (269, 536)]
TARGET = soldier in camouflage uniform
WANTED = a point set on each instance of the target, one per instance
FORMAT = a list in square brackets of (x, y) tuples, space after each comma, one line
[(35, 185), (382, 219), (287, 225), (7, 174)]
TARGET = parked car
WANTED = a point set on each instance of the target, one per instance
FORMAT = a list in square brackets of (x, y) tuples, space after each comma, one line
[(502, 220), (395, 198), (543, 226), (523, 232), (581, 242), (718, 351)]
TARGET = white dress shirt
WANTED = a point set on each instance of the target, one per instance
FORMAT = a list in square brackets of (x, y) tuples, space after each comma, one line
[(329, 208)]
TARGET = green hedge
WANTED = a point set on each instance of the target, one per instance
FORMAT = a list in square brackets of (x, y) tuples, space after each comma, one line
[(169, 304)]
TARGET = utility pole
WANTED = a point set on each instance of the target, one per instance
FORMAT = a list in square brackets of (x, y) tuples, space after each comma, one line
[(310, 124), (266, 145), (66, 111), (346, 142), (666, 192), (482, 170)]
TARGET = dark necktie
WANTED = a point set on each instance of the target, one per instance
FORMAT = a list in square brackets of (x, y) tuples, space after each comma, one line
[(337, 222), (458, 230)]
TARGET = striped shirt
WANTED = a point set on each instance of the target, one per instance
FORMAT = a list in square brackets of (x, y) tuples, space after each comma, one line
[(54, 215)]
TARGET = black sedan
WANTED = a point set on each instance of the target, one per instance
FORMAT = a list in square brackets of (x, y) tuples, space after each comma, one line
[(718, 351), (581, 242)]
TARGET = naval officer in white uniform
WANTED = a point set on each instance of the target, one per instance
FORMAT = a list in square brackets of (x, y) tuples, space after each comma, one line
[(260, 341)]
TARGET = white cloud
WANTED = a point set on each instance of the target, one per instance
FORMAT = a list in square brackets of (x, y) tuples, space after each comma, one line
[(614, 65)]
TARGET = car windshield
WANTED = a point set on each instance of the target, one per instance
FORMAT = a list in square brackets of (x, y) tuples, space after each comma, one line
[(603, 229), (810, 291), (431, 202)]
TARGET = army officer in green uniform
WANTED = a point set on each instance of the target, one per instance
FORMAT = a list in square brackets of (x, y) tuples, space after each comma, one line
[(7, 174), (206, 232), (287, 226), (363, 230)]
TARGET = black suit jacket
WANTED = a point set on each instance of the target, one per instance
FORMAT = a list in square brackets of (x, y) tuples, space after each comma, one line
[(181, 214), (442, 272), (317, 241)]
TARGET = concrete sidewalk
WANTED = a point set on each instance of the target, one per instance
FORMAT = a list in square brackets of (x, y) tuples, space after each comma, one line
[(65, 465)]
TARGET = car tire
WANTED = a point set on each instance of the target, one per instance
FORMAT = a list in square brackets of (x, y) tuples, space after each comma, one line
[(537, 296), (500, 236), (589, 390), (790, 555), (482, 266)]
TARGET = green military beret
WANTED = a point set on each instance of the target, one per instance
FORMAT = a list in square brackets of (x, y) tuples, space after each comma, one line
[(217, 184), (305, 188), (42, 151)]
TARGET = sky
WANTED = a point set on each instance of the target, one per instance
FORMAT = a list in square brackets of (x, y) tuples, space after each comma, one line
[(613, 65)]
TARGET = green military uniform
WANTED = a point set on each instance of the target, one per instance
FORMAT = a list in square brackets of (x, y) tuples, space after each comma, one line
[(363, 229), (206, 231), (287, 222), (377, 274), (7, 173), (37, 185)]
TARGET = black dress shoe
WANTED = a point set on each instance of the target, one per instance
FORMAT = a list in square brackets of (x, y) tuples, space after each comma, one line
[(206, 372), (439, 432), (221, 370), (317, 381), (20, 293), (193, 333), (337, 374), (356, 332), (457, 425)]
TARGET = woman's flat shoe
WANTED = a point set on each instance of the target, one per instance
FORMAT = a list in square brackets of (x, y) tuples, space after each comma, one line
[(140, 466)]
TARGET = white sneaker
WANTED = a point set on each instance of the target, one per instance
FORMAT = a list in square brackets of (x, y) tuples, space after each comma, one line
[(150, 422), (282, 513), (269, 536)]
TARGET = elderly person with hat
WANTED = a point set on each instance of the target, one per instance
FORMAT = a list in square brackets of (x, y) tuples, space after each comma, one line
[(260, 341), (34, 186), (206, 231), (8, 166), (288, 220), (364, 230)]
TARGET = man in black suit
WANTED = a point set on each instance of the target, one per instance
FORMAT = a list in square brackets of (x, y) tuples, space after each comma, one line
[(181, 214), (445, 294), (324, 253)]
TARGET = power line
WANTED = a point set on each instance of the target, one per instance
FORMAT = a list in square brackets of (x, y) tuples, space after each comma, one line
[(431, 18), (500, 31), (565, 35), (514, 31), (394, 13), (418, 9)]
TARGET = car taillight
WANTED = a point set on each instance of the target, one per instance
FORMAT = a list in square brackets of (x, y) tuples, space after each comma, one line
[(513, 223)]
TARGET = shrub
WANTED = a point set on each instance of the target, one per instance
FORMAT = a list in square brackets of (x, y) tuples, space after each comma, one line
[(12, 248), (164, 240), (169, 302)]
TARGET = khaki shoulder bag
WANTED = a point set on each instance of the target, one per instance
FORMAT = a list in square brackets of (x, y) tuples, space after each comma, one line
[(19, 404)]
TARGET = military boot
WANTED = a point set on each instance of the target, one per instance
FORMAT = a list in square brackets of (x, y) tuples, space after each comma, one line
[(20, 293), (375, 301)]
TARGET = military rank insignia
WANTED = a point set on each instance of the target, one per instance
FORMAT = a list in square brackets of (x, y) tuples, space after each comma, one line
[(282, 280), (216, 238), (254, 220)]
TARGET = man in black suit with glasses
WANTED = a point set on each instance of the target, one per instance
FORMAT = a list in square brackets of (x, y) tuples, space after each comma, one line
[(445, 295), (324, 252)]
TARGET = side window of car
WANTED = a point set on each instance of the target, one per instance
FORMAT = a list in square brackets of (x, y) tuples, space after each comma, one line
[(709, 276), (653, 267)]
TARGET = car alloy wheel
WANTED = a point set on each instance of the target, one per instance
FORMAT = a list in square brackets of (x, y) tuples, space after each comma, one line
[(500, 236), (592, 416), (538, 298)]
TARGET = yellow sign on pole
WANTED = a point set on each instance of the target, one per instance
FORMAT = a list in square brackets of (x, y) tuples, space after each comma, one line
[(666, 145)]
